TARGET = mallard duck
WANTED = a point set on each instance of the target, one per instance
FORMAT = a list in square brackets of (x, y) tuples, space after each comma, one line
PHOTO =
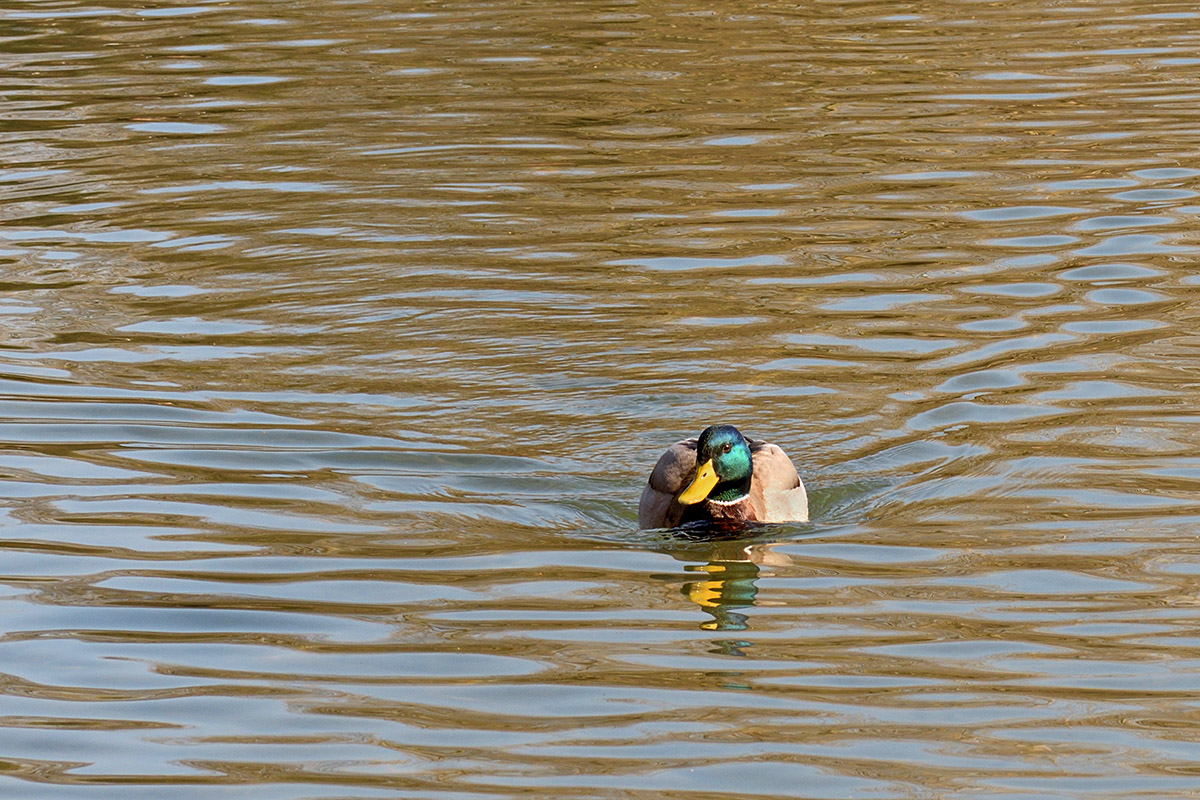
[(737, 481)]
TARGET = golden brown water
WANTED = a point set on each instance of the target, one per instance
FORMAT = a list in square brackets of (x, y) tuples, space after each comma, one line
[(339, 338)]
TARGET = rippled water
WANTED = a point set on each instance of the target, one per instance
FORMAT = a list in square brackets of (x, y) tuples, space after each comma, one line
[(338, 339)]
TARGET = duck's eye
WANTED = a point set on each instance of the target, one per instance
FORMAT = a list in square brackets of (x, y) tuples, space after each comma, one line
[(727, 447)]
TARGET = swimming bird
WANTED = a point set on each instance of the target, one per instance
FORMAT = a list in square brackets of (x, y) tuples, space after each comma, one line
[(738, 480)]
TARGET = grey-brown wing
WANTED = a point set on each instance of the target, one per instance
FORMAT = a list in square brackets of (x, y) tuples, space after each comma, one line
[(782, 495), (675, 469)]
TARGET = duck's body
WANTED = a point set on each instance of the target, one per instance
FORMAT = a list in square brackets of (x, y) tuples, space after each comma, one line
[(738, 481)]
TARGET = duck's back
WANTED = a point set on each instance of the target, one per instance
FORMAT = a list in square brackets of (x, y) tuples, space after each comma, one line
[(675, 469), (776, 489)]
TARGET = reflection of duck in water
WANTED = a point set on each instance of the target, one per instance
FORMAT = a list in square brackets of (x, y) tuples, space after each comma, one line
[(728, 583), (737, 481)]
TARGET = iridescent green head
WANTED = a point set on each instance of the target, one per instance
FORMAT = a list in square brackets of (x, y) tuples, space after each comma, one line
[(723, 467)]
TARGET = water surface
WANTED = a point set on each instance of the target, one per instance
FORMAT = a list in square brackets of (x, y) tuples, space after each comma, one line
[(338, 339)]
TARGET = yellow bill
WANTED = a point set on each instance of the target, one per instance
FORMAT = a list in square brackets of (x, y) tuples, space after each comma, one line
[(706, 479)]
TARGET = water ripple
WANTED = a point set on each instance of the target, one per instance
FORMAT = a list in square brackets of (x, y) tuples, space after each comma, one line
[(338, 341)]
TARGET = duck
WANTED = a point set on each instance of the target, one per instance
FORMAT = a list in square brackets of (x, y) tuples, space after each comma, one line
[(724, 478)]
